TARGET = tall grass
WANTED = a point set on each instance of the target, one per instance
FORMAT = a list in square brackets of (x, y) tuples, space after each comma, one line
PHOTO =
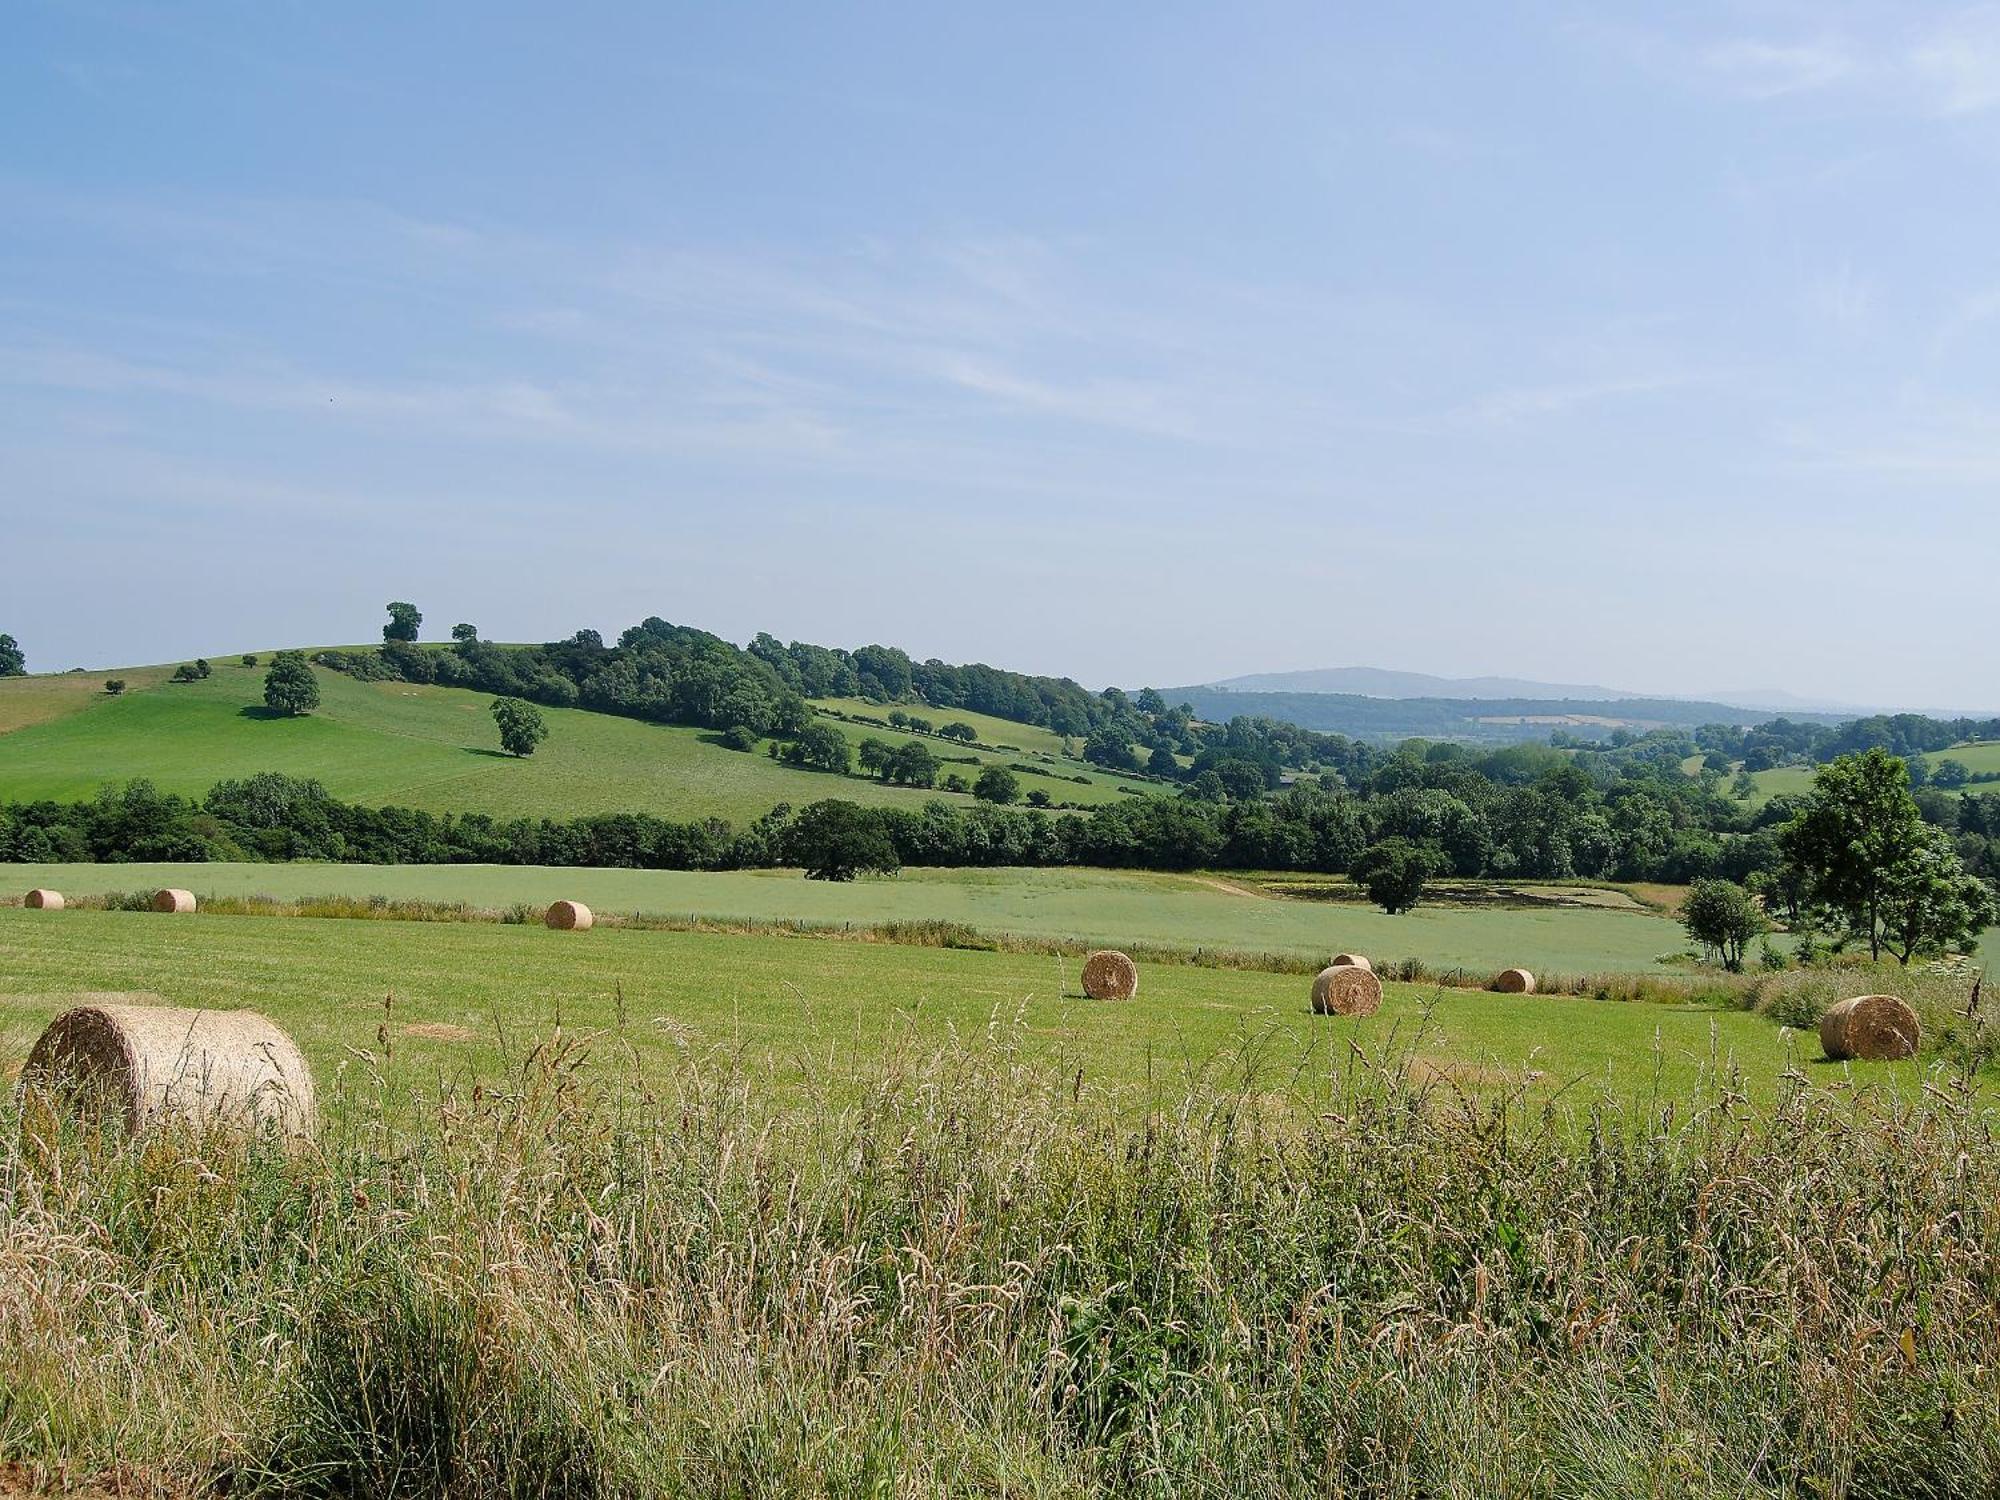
[(990, 1279)]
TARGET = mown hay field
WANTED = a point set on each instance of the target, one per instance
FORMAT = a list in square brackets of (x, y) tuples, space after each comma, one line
[(807, 1015), (1101, 908)]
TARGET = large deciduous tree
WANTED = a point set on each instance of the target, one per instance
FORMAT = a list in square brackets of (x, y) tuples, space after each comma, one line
[(521, 725), (1862, 851), (404, 619), (1394, 872), (838, 840), (289, 686)]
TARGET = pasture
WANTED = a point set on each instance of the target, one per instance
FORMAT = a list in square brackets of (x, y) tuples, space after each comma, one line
[(433, 748), (806, 1017), (1106, 907)]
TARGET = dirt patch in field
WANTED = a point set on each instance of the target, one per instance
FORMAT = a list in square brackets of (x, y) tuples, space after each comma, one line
[(438, 1031), (1511, 895), (1473, 1078), (1231, 888)]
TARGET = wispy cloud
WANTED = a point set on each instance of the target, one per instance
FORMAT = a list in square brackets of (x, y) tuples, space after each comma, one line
[(1946, 65), (1957, 64), (1517, 404), (1769, 70)]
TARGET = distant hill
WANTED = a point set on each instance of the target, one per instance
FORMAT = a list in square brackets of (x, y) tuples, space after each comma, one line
[(403, 744), (1379, 682), (1487, 719)]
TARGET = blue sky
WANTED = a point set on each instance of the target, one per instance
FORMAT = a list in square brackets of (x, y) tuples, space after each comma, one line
[(1143, 343)]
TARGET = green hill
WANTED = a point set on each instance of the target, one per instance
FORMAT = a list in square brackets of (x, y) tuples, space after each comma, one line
[(397, 743)]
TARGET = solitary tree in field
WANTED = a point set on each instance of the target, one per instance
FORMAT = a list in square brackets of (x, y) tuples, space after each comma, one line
[(1861, 850), (13, 663), (1720, 914), (404, 618), (114, 685), (290, 687), (463, 632), (1394, 871), (249, 658), (997, 784), (521, 726)]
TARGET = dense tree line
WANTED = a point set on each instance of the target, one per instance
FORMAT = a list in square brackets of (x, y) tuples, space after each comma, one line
[(1561, 822)]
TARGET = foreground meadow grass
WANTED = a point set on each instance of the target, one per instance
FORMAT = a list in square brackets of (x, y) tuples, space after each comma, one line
[(974, 1275), (1106, 907), (810, 1018)]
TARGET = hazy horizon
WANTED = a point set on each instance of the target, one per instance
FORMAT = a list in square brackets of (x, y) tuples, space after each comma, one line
[(1148, 345)]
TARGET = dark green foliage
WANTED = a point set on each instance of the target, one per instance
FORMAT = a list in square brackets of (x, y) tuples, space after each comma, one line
[(188, 672), (838, 841), (249, 658), (820, 747), (404, 620), (997, 784), (289, 685), (114, 685), (1720, 914), (13, 661), (1861, 850), (1394, 872), (739, 737), (521, 725), (463, 632)]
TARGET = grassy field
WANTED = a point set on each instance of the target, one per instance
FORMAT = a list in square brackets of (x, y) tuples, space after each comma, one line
[(1004, 733), (812, 1218), (1098, 906), (802, 1013), (398, 743)]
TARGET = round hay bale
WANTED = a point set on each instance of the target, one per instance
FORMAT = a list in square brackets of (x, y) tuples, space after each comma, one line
[(1514, 982), (1110, 975), (173, 899), (43, 900), (1346, 990), (152, 1063), (569, 916), (1350, 961), (1870, 1028)]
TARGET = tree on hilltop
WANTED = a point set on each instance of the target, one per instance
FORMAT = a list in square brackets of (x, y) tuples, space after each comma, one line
[(13, 662), (290, 687), (404, 618)]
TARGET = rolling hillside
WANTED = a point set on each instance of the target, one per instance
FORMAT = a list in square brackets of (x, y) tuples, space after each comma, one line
[(435, 748)]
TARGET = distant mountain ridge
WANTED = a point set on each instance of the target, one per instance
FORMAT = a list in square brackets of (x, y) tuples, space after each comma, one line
[(1380, 682)]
